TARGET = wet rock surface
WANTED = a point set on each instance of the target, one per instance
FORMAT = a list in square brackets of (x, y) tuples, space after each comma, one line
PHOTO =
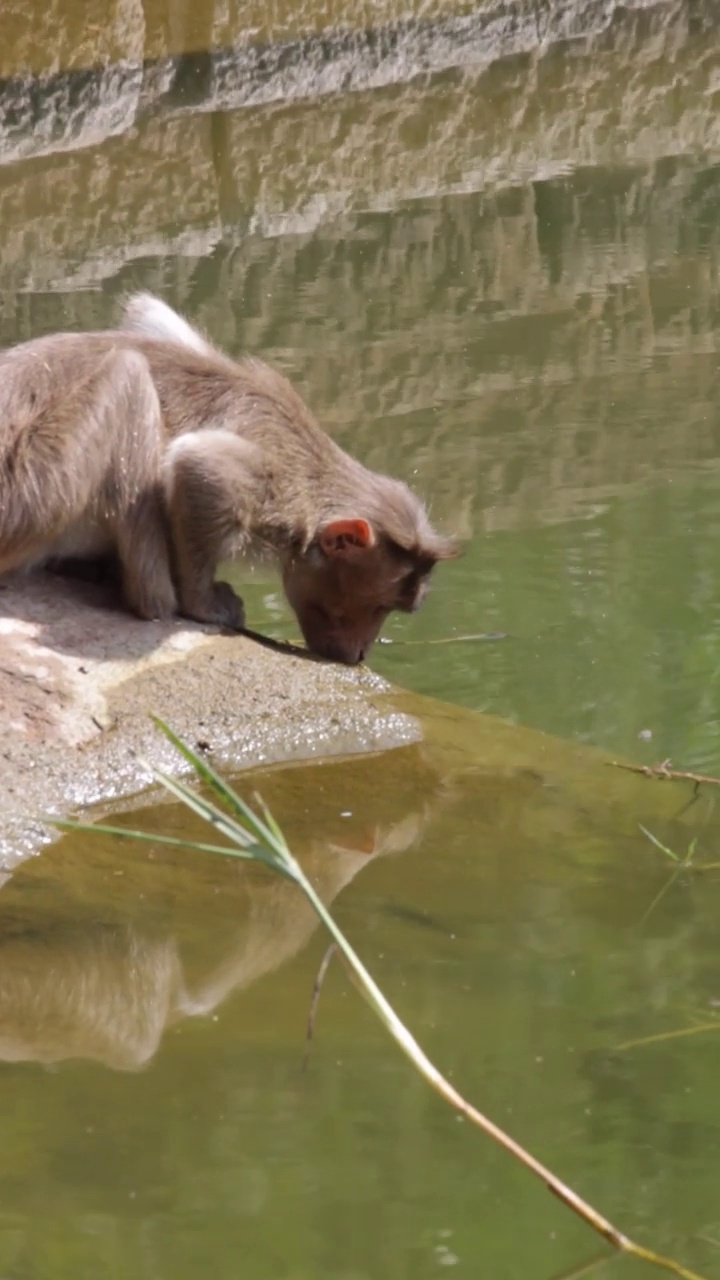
[(79, 680)]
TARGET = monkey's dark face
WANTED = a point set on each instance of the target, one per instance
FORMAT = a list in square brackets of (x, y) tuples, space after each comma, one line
[(341, 603)]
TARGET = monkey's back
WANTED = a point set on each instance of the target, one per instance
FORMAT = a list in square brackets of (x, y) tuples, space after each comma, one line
[(195, 389)]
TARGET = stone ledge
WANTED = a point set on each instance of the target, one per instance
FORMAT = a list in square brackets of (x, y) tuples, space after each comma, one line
[(78, 681)]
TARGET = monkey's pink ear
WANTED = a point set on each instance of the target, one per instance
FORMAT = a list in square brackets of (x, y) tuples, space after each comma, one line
[(346, 537)]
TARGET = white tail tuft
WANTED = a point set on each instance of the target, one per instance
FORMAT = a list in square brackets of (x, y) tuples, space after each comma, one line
[(148, 315)]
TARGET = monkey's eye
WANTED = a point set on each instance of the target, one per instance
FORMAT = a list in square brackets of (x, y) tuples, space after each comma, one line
[(413, 592), (330, 617)]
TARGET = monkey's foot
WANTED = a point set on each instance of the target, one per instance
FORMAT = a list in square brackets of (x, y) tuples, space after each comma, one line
[(222, 607)]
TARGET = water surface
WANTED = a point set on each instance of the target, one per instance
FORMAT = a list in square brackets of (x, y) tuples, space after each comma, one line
[(499, 282)]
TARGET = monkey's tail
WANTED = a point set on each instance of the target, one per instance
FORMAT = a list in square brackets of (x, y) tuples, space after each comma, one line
[(146, 314)]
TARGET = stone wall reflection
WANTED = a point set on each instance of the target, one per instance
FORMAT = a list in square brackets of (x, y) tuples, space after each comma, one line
[(525, 247)]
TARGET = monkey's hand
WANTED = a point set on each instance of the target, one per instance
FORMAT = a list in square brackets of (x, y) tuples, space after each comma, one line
[(221, 607)]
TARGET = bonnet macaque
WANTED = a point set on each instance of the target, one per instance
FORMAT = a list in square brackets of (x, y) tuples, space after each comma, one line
[(147, 443)]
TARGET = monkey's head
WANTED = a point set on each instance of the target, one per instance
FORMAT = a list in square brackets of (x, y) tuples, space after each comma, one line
[(353, 574)]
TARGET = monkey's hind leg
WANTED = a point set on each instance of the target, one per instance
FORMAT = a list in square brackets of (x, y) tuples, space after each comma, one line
[(210, 482), (80, 473), (81, 449), (140, 521)]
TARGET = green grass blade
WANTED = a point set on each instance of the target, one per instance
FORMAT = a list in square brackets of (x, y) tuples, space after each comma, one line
[(222, 822), (691, 850), (271, 849), (270, 821), (659, 844), (204, 809), (659, 896), (127, 833), (222, 789)]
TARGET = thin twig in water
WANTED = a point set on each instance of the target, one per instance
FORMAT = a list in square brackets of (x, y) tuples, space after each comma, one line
[(296, 650), (474, 637), (663, 771), (585, 1268), (315, 998), (677, 1034)]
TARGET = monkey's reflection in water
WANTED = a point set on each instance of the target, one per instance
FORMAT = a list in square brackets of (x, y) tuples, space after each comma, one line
[(104, 947)]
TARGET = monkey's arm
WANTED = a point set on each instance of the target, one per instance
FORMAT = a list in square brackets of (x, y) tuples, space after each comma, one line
[(213, 483)]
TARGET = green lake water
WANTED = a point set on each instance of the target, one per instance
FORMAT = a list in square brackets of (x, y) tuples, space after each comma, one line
[(532, 343)]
